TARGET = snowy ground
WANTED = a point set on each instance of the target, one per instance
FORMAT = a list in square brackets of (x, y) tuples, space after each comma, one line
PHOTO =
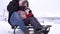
[(6, 29)]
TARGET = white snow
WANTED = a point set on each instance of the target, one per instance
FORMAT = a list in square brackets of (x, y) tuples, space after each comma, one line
[(5, 28)]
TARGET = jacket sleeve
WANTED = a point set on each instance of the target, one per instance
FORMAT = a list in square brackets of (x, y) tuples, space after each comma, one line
[(30, 14), (11, 7)]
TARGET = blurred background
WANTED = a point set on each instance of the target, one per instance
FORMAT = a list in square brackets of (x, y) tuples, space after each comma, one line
[(47, 12)]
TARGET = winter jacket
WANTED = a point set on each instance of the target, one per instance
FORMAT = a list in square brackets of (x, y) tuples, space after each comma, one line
[(30, 14), (12, 6)]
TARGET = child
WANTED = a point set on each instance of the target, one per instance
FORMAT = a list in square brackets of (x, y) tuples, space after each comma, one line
[(25, 11), (30, 17)]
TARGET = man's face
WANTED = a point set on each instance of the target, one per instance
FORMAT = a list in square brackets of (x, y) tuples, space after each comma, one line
[(21, 2)]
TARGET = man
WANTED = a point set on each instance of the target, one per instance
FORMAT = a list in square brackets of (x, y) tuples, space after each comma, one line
[(12, 6)]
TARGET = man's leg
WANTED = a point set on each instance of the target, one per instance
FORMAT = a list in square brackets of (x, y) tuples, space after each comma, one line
[(16, 19)]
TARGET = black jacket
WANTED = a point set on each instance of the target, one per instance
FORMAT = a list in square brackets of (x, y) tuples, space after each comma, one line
[(12, 6)]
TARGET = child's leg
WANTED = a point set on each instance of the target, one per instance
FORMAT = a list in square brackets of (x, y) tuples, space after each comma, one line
[(34, 22)]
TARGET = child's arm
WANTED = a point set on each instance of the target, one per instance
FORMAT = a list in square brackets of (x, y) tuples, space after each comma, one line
[(29, 15)]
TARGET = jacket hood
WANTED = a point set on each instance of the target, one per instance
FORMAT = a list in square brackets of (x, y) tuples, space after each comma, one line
[(15, 0)]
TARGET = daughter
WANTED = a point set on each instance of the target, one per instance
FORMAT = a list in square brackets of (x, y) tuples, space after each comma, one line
[(29, 17), (25, 11)]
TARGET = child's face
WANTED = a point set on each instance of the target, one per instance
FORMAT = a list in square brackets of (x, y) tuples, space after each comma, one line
[(25, 4)]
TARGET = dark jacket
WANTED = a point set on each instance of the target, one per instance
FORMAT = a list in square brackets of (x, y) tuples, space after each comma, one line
[(12, 6)]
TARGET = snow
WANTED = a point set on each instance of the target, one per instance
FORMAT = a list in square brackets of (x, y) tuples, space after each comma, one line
[(5, 28)]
